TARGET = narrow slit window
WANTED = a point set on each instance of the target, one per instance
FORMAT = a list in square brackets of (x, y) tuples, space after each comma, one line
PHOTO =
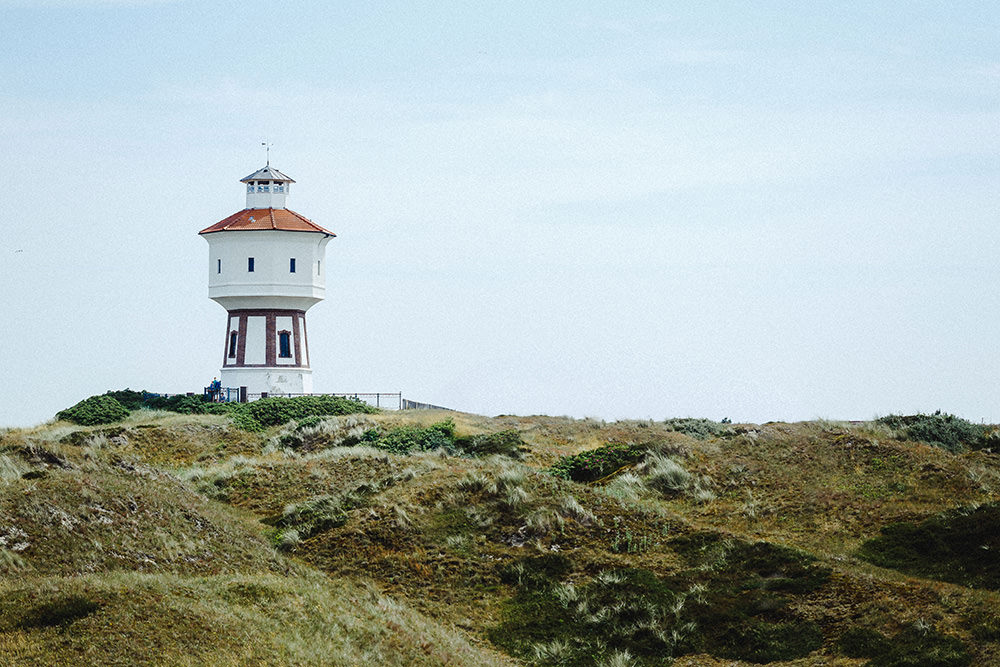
[(250, 264), (232, 344), (291, 265), (218, 266), (285, 344), (318, 266)]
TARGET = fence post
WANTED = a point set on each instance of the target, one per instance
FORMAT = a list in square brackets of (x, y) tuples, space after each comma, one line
[(243, 394)]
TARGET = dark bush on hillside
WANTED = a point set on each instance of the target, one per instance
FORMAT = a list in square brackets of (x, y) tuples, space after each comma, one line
[(131, 400), (505, 443), (94, 410), (181, 403), (959, 546), (597, 463), (276, 410), (189, 405), (406, 439), (702, 429), (942, 430)]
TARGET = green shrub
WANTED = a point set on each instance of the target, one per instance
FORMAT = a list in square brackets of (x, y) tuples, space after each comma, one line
[(405, 439), (276, 410), (597, 463), (942, 430), (702, 429), (180, 403), (94, 410), (242, 419), (505, 443), (131, 400), (959, 546)]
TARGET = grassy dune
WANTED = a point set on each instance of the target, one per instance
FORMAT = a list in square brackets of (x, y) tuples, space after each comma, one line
[(172, 539)]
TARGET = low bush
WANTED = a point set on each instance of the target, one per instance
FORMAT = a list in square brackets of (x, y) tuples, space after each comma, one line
[(505, 443), (942, 430), (255, 416), (274, 411), (131, 400), (702, 429), (597, 463), (406, 439), (94, 410), (184, 404)]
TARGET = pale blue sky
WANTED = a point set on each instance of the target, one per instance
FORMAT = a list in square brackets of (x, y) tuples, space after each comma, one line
[(755, 210)]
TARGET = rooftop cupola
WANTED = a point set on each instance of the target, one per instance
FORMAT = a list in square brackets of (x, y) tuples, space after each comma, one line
[(267, 188)]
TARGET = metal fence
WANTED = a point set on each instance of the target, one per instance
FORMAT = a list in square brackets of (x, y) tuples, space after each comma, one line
[(382, 399), (386, 400)]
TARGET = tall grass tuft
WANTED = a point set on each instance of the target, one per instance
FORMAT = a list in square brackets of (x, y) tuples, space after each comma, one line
[(667, 475)]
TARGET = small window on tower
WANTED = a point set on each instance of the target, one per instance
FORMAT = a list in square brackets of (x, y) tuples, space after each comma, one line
[(250, 264), (218, 266), (232, 344), (285, 344), (318, 263), (291, 265)]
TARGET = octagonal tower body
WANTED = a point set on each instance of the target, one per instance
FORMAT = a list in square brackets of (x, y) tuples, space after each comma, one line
[(266, 268)]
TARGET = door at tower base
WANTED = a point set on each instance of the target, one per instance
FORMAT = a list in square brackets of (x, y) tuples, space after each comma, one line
[(275, 381)]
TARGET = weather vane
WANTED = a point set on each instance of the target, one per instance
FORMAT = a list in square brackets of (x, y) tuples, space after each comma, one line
[(267, 147)]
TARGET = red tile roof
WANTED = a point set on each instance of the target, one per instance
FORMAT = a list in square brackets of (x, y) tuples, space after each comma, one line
[(251, 219)]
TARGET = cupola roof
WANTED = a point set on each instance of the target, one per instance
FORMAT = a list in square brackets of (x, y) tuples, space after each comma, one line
[(255, 219), (267, 173)]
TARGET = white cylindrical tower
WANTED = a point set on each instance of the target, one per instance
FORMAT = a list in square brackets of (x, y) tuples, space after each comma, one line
[(266, 269)]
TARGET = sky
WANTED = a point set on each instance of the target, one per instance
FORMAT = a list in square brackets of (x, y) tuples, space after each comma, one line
[(755, 211)]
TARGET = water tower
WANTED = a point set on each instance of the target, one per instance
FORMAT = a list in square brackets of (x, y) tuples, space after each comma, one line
[(266, 268)]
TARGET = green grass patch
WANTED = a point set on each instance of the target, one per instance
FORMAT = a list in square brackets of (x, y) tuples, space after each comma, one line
[(914, 646), (247, 619), (734, 603)]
